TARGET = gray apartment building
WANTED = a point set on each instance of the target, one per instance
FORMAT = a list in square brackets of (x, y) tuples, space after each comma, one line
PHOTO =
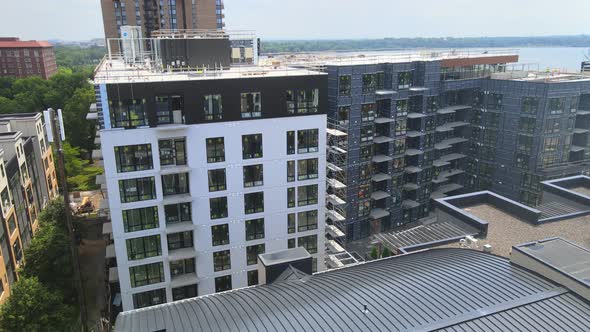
[(407, 129)]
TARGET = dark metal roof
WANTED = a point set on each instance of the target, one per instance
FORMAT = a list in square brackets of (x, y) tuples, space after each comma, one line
[(429, 290)]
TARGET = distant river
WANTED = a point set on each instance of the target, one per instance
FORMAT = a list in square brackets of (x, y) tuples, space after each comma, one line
[(568, 58)]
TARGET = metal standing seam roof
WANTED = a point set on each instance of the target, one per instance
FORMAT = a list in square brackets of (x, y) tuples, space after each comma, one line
[(453, 289)]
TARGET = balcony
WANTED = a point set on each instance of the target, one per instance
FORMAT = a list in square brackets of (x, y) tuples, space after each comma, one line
[(381, 120), (378, 213), (410, 186), (450, 126), (335, 200), (333, 183), (412, 169), (335, 216), (178, 227), (334, 247), (381, 158), (414, 152), (183, 253), (379, 195), (334, 231), (382, 139), (184, 280), (448, 143), (452, 109)]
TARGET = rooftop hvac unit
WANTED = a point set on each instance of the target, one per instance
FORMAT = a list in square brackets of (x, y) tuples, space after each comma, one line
[(131, 43)]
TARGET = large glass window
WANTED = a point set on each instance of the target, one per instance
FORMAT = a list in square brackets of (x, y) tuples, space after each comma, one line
[(552, 126), (177, 212), (132, 158), (401, 107), (308, 101), (310, 243), (368, 112), (172, 152), (215, 150), (253, 278), (373, 82), (181, 267), (291, 223), (217, 179), (251, 105), (11, 225), (143, 247), (180, 240), (404, 80), (223, 283), (146, 274), (149, 298), (290, 197), (185, 292), (253, 176), (307, 195), (307, 169), (290, 170), (221, 260), (220, 234), (140, 219), (252, 253), (290, 100), (307, 220), (344, 85), (212, 107), (254, 203), (254, 229), (6, 204), (291, 142), (530, 105), (551, 144), (307, 141), (527, 125), (128, 114), (165, 105), (252, 146), (134, 190), (218, 207), (556, 105), (175, 184)]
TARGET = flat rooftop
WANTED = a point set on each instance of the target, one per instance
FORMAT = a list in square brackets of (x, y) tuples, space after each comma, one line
[(506, 230), (437, 289), (561, 255), (117, 71)]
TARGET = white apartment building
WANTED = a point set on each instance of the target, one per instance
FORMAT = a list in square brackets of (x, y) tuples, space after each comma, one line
[(207, 169)]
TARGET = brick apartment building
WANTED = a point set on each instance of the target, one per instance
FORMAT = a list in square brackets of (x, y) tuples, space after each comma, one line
[(26, 58)]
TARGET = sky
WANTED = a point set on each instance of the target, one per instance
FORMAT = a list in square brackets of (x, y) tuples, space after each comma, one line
[(323, 19)]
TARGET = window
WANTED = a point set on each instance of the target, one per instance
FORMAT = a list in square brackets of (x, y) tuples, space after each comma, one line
[(525, 144), (6, 203), (132, 158), (253, 176), (254, 203), (290, 142), (364, 208), (18, 253), (184, 292), (217, 180), (343, 115), (344, 85), (134, 190), (165, 106), (222, 284), (307, 220), (307, 141), (172, 152), (177, 212), (308, 101), (175, 184), (556, 105), (404, 80), (251, 105), (291, 223), (432, 104), (221, 261), (252, 253), (143, 247), (218, 207), (552, 126), (146, 274), (307, 195), (253, 278), (290, 100), (368, 112), (149, 298), (291, 243), (290, 197), (495, 101), (401, 107), (254, 229), (181, 267), (307, 169), (215, 150), (373, 82), (220, 234), (527, 125), (212, 107), (551, 144), (290, 170), (128, 114), (530, 105), (252, 146), (140, 219), (310, 243), (180, 240)]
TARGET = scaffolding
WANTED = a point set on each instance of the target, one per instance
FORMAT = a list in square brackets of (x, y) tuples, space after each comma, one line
[(336, 173)]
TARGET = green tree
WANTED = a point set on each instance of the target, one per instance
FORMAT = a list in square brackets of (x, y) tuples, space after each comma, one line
[(386, 252), (81, 175), (8, 106), (34, 307), (79, 131), (374, 253)]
